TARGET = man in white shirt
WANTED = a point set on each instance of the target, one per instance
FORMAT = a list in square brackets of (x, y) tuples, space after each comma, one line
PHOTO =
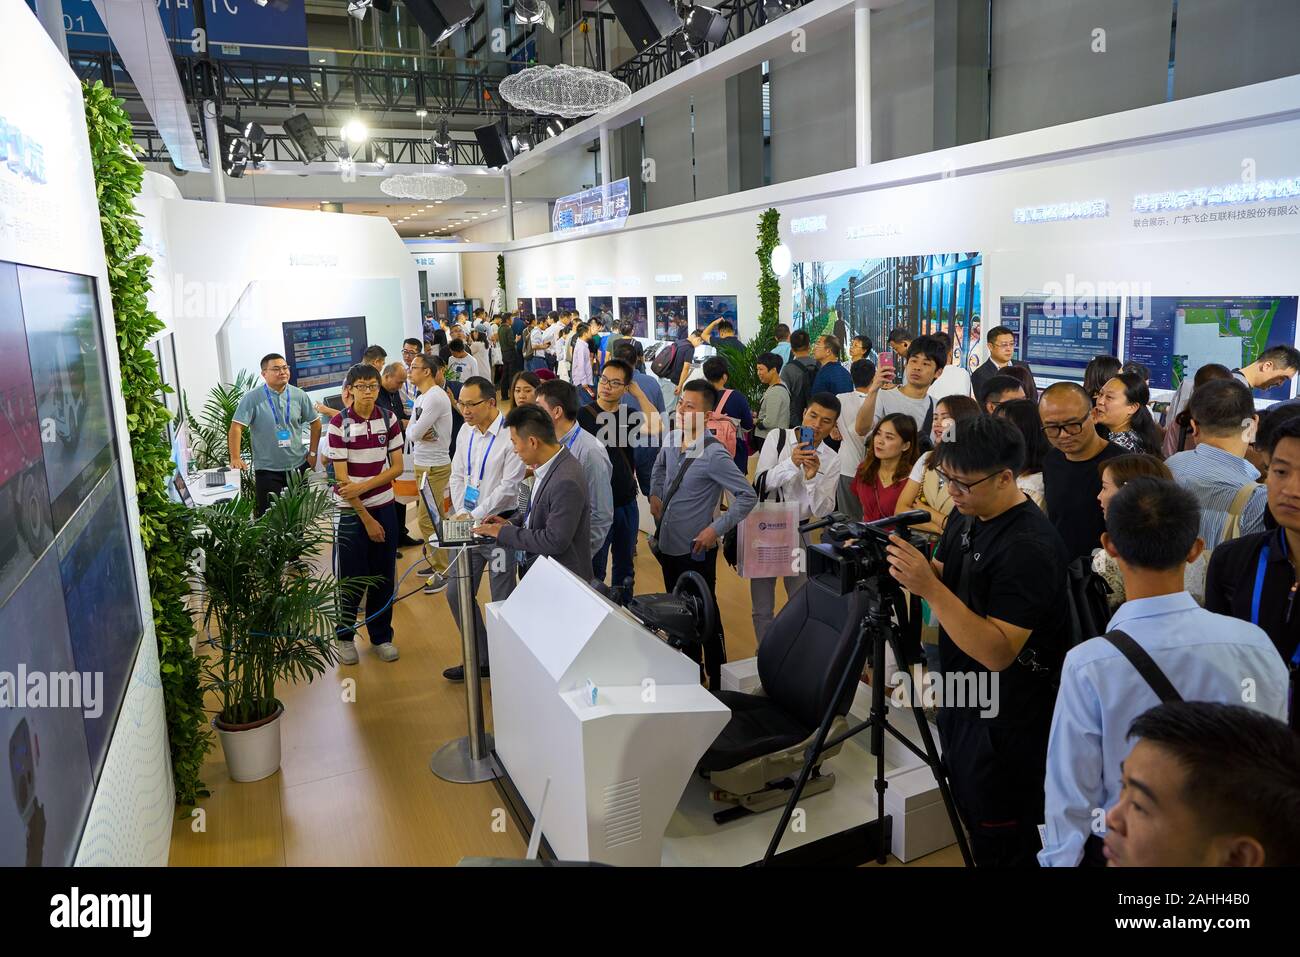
[(485, 477), (852, 445), (581, 371), (544, 335), (790, 471), (428, 442), (953, 380), (1151, 531)]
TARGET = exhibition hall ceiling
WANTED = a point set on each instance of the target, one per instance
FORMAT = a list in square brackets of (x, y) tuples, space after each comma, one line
[(414, 220)]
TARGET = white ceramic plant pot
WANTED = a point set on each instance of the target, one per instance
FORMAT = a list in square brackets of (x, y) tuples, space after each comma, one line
[(252, 750)]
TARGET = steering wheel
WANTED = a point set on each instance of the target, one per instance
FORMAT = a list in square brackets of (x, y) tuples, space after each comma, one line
[(693, 590)]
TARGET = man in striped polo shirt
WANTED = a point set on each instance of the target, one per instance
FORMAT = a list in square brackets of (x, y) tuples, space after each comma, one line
[(365, 445)]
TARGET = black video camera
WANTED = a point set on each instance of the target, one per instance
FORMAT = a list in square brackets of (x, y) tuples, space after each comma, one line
[(855, 551)]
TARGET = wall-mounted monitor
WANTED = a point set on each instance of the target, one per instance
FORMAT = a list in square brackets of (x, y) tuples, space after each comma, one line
[(1058, 338), (544, 305), (633, 309), (708, 308), (668, 309), (321, 351), (524, 307), (566, 302), (458, 309), (600, 307), (69, 608), (1173, 336)]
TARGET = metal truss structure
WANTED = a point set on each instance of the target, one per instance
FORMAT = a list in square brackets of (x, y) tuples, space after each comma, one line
[(281, 149), (660, 59)]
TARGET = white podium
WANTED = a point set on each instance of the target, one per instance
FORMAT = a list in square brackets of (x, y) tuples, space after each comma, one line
[(617, 768)]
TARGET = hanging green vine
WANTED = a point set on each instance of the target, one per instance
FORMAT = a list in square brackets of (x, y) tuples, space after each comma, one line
[(165, 526), (741, 374), (501, 278)]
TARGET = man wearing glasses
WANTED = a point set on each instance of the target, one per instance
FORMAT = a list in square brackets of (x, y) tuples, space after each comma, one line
[(275, 414), (622, 430), (485, 477), (997, 586), (1072, 470), (410, 349)]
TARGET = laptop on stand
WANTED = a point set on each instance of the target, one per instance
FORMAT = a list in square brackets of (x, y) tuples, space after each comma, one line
[(448, 532)]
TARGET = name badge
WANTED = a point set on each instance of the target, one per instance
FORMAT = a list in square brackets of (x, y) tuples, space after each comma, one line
[(471, 497), (283, 436)]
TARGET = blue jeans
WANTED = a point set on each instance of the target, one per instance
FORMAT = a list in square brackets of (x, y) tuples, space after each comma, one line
[(622, 539)]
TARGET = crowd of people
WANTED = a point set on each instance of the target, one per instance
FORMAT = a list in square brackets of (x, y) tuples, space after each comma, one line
[(1158, 737)]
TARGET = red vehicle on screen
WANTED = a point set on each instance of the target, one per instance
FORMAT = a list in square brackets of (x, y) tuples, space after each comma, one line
[(22, 480)]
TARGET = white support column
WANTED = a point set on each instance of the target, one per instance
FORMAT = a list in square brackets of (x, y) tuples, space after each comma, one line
[(862, 81), (212, 130), (50, 13), (605, 165), (510, 207)]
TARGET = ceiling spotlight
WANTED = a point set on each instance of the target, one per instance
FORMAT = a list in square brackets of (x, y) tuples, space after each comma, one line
[(537, 12), (354, 131), (522, 141), (254, 133), (380, 159), (442, 155), (554, 126), (777, 8), (442, 135), (358, 8)]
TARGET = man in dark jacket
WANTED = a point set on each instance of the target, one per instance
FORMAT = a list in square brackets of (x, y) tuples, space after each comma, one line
[(556, 521), (1002, 346)]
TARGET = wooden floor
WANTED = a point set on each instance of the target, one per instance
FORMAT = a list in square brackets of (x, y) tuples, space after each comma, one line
[(354, 786)]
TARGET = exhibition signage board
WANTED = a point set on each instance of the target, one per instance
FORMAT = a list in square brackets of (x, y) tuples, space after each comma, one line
[(602, 207)]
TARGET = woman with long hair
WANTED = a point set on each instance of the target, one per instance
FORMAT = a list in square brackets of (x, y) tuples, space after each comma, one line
[(924, 488), (1115, 474), (891, 451), (1122, 408), (1100, 370), (523, 389), (1023, 414)]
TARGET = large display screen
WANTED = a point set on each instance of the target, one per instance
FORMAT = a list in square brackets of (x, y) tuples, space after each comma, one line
[(544, 305), (934, 292), (1175, 336), (668, 308), (70, 621), (524, 307), (1062, 336), (633, 309), (68, 373), (566, 302), (321, 351), (708, 308)]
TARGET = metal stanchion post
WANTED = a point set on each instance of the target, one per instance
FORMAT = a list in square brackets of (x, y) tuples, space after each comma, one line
[(465, 760)]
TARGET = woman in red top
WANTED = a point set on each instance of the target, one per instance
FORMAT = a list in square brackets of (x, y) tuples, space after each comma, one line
[(890, 455)]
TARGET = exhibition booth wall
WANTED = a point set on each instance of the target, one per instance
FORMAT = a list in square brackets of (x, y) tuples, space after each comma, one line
[(87, 777), (994, 205), (236, 274)]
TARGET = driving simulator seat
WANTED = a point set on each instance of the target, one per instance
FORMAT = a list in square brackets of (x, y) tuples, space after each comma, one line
[(756, 759)]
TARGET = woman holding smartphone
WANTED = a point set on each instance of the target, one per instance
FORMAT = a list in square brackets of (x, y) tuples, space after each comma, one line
[(888, 459)]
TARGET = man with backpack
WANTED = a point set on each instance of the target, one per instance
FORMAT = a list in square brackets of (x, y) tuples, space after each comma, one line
[(798, 375), (1160, 646), (789, 470)]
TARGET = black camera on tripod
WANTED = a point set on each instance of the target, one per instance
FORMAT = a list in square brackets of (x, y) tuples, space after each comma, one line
[(854, 552)]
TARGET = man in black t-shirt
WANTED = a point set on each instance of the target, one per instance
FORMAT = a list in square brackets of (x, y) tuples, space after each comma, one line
[(622, 430), (1071, 471), (997, 586)]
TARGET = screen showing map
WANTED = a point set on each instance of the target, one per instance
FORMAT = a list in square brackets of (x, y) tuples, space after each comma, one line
[(1175, 336), (1064, 335)]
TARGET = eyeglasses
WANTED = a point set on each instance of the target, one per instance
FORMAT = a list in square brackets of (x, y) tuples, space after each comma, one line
[(612, 383), (368, 387), (410, 352), (1054, 429), (960, 487), (471, 405), (277, 368)]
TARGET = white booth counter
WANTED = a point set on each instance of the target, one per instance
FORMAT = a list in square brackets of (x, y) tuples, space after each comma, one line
[(617, 768)]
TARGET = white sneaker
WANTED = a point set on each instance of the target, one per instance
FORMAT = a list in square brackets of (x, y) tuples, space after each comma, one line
[(347, 651), (437, 583), (387, 651)]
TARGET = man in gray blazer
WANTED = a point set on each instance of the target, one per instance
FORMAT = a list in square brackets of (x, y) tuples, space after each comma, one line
[(557, 521)]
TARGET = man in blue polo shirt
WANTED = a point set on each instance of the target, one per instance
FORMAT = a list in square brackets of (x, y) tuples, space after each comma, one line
[(275, 412)]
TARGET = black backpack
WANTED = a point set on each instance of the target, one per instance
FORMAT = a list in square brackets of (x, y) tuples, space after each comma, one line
[(800, 388), (1087, 595)]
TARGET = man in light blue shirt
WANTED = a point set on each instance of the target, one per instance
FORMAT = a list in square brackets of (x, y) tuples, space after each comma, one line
[(782, 347), (1216, 471), (1151, 531), (275, 413)]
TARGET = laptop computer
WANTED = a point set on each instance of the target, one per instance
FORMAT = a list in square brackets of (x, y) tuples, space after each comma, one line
[(448, 532), (183, 489)]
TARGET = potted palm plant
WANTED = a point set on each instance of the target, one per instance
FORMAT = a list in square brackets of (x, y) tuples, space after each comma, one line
[(209, 428), (269, 616)]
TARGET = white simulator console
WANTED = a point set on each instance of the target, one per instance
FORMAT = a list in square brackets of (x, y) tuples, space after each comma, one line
[(617, 767)]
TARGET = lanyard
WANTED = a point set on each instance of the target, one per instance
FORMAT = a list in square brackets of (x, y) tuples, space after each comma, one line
[(1260, 570), (275, 411), (572, 437), (469, 456)]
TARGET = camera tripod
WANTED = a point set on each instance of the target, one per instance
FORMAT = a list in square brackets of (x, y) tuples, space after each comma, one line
[(877, 628)]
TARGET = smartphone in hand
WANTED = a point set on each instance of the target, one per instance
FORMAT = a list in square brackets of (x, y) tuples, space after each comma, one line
[(806, 435)]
